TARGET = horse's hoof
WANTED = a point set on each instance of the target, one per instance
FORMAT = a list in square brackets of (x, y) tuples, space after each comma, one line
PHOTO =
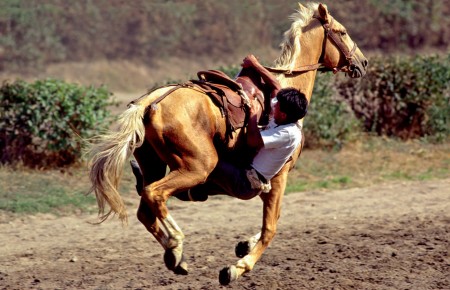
[(172, 259), (228, 275), (182, 268), (242, 249)]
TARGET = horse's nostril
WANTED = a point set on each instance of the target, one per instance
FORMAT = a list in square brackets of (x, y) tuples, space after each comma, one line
[(365, 63)]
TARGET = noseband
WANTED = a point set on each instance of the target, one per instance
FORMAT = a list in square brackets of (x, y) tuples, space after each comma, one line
[(337, 40)]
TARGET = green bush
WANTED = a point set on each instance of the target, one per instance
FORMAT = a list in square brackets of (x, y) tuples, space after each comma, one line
[(330, 122), (231, 71), (407, 97), (43, 124)]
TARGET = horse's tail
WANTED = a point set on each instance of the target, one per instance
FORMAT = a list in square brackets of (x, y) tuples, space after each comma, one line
[(107, 159)]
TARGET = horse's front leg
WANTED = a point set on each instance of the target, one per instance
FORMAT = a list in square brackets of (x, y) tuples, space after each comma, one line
[(271, 214), (244, 248)]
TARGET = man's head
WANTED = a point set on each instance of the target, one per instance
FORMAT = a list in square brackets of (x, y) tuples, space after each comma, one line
[(290, 107)]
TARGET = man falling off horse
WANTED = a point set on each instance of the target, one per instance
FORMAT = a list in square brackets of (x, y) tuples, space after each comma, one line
[(274, 144)]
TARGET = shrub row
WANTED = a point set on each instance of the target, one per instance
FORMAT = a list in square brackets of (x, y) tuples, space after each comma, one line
[(406, 97), (329, 122), (43, 124)]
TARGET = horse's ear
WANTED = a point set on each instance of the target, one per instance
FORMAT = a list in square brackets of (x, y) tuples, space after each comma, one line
[(323, 12)]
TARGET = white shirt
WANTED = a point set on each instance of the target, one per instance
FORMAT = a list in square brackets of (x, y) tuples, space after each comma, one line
[(279, 144)]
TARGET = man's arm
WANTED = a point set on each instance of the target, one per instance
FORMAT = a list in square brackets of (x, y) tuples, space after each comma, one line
[(269, 79), (254, 138)]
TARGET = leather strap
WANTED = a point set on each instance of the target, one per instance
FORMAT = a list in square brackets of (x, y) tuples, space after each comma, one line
[(298, 70)]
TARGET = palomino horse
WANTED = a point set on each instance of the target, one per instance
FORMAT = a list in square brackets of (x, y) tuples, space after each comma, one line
[(182, 132)]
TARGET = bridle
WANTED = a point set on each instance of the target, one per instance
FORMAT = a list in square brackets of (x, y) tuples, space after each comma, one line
[(349, 55), (329, 34)]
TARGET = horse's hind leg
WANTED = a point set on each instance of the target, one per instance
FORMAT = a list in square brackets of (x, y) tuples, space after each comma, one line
[(138, 175), (156, 195), (185, 173), (200, 194), (150, 168)]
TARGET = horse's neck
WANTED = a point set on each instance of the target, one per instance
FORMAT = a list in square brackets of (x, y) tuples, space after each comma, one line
[(303, 82), (308, 56), (311, 44)]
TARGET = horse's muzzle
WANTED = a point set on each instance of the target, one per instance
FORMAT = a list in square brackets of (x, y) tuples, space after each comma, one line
[(358, 68)]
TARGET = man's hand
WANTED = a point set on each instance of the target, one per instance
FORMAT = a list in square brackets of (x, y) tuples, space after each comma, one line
[(270, 80)]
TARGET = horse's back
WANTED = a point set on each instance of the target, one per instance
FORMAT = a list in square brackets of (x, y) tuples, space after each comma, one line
[(181, 111)]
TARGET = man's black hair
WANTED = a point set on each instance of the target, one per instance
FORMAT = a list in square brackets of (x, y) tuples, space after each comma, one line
[(293, 103)]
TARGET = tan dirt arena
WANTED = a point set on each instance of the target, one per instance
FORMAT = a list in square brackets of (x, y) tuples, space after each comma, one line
[(391, 236)]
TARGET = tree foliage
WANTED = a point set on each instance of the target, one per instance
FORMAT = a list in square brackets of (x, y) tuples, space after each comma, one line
[(35, 33)]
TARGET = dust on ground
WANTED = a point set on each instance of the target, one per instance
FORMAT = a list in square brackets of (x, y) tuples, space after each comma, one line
[(390, 236)]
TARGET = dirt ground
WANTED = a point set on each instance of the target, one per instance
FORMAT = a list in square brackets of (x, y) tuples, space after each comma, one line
[(391, 236)]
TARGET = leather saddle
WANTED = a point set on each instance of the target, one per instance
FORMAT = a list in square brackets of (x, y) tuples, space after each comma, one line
[(230, 95)]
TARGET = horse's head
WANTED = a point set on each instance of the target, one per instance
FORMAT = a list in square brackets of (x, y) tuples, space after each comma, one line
[(317, 41), (339, 51)]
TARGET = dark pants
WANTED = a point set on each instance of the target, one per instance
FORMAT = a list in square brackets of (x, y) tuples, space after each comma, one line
[(227, 179), (224, 179)]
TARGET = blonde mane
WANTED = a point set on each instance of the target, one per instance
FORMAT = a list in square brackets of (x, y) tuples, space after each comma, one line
[(290, 48)]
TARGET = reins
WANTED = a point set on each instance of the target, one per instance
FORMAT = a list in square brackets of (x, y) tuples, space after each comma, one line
[(299, 70), (329, 33)]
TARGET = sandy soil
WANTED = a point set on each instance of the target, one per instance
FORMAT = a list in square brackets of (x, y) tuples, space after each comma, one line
[(392, 236)]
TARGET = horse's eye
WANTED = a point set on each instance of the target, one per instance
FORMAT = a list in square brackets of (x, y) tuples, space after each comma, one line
[(343, 33)]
